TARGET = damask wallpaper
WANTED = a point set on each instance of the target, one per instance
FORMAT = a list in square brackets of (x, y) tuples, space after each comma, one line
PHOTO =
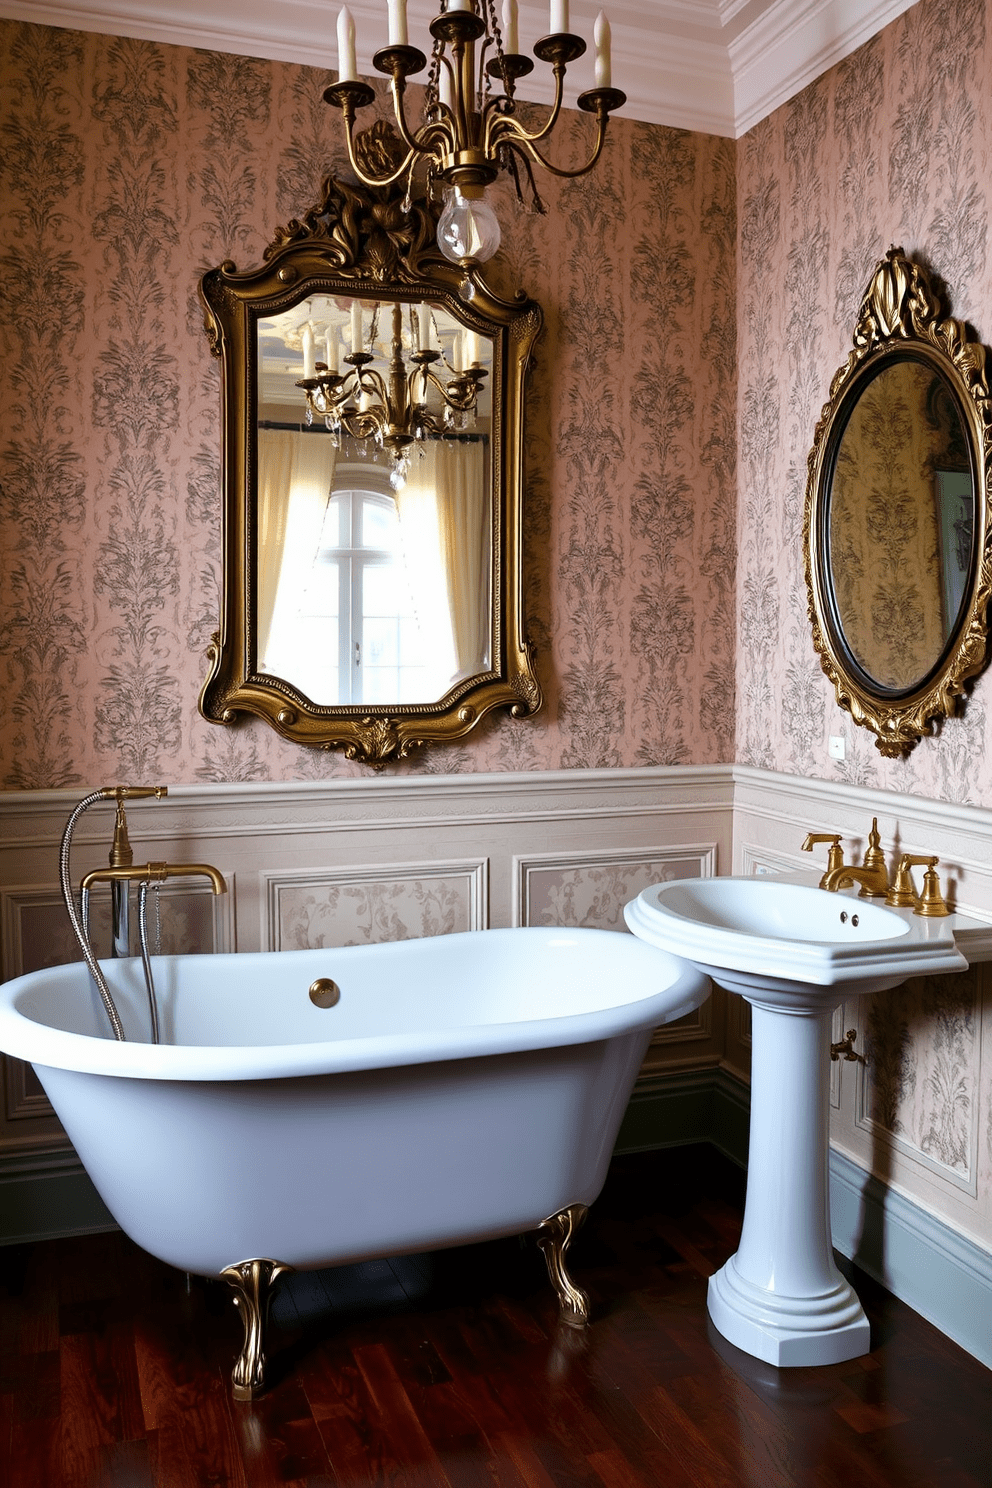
[(127, 168), (893, 146)]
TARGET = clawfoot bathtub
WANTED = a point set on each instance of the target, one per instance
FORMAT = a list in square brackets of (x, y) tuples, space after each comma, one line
[(436, 1092)]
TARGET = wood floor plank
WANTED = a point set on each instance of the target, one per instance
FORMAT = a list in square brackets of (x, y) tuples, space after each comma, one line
[(450, 1371)]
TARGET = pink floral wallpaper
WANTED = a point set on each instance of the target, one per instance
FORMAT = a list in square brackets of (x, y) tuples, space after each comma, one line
[(893, 146), (126, 169)]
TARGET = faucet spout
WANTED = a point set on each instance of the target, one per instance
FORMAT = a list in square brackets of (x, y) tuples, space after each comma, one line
[(874, 881), (155, 873)]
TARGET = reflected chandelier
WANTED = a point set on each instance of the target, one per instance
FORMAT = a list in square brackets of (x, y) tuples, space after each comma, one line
[(392, 410), (469, 134)]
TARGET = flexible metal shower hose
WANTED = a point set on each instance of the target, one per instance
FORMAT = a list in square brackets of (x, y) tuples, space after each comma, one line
[(70, 904)]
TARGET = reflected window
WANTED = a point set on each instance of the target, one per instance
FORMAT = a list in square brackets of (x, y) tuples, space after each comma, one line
[(366, 644)]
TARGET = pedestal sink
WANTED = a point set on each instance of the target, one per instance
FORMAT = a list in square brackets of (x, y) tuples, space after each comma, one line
[(795, 952)]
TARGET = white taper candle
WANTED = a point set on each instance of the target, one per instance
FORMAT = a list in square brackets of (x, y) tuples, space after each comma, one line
[(398, 35), (356, 326), (309, 351), (347, 65), (602, 36), (559, 17), (511, 36), (424, 327)]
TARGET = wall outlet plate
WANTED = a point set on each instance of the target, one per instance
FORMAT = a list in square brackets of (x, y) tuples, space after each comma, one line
[(835, 746)]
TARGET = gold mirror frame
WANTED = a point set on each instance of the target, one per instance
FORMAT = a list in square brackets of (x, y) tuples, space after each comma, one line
[(900, 317), (360, 241)]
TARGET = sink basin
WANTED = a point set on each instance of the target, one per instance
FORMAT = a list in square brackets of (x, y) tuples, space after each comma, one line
[(783, 935), (794, 952)]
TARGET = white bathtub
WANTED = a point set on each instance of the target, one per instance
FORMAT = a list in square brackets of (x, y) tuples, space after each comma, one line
[(465, 1087)]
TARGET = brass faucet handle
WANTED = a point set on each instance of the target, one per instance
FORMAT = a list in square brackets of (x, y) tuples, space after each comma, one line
[(835, 854), (932, 902), (902, 894)]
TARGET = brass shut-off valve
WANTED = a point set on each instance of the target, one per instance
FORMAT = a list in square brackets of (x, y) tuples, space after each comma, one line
[(845, 1049)]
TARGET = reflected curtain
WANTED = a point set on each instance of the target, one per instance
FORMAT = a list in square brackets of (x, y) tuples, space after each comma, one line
[(444, 513), (295, 476)]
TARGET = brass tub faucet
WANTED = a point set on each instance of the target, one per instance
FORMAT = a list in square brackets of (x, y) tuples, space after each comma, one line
[(121, 873)]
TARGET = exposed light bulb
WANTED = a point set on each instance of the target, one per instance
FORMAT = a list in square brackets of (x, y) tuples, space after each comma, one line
[(467, 229)]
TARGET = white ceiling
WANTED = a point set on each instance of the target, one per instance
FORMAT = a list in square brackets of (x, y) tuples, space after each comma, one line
[(717, 66)]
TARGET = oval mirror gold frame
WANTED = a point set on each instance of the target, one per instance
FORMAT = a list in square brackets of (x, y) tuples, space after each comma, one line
[(365, 244), (900, 321)]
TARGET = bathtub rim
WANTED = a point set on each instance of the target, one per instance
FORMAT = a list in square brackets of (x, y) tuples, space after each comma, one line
[(40, 1043)]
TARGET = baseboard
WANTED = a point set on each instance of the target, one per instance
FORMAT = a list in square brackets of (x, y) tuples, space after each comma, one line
[(937, 1271), (678, 1109), (50, 1200)]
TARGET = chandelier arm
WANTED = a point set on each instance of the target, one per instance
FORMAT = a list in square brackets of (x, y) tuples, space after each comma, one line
[(368, 375), (462, 401), (440, 127), (511, 125), (367, 180), (438, 131), (526, 147)]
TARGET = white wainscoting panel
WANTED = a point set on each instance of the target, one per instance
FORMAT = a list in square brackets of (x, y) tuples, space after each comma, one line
[(366, 905)]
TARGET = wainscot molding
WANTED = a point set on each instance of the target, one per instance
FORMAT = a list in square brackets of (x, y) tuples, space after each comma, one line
[(940, 1273)]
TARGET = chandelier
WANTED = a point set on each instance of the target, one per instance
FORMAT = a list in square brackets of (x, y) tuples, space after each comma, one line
[(470, 133), (406, 403)]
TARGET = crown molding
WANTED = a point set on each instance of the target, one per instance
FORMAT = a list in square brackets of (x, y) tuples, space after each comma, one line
[(712, 66), (792, 43)]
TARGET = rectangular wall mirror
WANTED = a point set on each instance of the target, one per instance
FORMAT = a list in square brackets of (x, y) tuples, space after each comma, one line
[(373, 399)]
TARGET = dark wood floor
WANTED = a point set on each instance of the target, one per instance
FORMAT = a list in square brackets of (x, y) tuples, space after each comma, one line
[(450, 1370)]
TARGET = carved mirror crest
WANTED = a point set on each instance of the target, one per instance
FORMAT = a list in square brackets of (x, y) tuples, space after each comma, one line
[(373, 448), (897, 528)]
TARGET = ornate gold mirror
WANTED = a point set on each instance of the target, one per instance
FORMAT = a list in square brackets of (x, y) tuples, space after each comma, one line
[(373, 447), (897, 520)]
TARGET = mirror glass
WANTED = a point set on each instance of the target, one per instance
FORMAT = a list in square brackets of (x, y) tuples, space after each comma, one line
[(901, 523), (373, 565)]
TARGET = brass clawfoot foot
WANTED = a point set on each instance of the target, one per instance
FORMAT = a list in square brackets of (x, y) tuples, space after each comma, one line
[(554, 1237), (253, 1283)]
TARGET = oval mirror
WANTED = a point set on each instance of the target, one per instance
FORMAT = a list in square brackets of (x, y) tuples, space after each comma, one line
[(897, 513)]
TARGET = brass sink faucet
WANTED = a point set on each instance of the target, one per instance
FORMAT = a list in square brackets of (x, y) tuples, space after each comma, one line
[(874, 878)]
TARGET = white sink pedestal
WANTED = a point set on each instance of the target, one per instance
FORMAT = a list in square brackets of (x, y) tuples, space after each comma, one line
[(781, 1297), (794, 952)]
